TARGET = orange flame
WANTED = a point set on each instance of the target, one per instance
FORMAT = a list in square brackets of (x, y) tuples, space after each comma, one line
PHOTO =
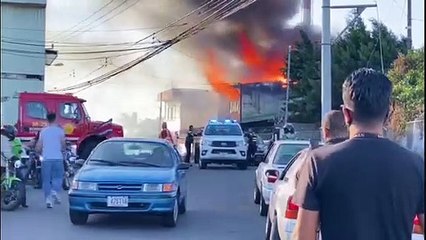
[(216, 76), (259, 69)]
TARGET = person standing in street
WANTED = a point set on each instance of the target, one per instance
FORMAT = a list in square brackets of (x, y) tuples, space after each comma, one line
[(189, 140), (166, 134), (51, 145), (367, 187)]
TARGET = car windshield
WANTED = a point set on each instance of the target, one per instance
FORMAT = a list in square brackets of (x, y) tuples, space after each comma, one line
[(286, 151), (132, 153), (225, 129)]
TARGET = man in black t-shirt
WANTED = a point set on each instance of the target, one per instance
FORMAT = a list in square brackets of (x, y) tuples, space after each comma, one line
[(189, 140), (367, 187)]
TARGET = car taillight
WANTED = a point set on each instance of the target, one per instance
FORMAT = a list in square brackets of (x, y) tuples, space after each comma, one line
[(272, 175), (291, 210), (417, 227)]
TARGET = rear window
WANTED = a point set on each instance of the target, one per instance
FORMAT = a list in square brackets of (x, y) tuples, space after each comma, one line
[(285, 152), (132, 153), (223, 130)]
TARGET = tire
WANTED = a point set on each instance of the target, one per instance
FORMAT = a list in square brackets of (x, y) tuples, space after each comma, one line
[(242, 166), (78, 218), (182, 206), (87, 149), (256, 194), (268, 228), (11, 199), (170, 219), (202, 164), (274, 230), (263, 207), (66, 184), (37, 179)]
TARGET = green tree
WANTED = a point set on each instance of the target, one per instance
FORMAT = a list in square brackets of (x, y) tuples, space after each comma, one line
[(407, 76), (305, 93), (357, 47)]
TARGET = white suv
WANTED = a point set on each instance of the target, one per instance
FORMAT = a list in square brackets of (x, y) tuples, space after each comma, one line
[(223, 143)]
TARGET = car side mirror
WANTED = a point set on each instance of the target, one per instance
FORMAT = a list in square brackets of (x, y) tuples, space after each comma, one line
[(79, 162), (183, 166)]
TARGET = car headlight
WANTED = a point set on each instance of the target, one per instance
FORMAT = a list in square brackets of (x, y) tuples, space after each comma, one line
[(241, 143), (85, 186), (165, 187)]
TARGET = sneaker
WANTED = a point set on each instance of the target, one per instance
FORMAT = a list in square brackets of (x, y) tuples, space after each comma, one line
[(56, 198), (49, 203)]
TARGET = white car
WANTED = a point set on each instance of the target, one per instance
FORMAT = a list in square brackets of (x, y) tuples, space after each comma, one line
[(270, 168), (282, 213), (223, 142)]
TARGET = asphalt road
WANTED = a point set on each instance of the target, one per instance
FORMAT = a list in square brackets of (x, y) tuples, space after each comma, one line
[(219, 206)]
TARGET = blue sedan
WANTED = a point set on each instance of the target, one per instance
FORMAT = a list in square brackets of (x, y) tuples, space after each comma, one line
[(124, 175)]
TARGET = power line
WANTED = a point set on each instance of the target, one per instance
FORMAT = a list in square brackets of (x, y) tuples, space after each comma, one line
[(85, 52), (75, 33), (88, 31), (87, 18), (212, 11)]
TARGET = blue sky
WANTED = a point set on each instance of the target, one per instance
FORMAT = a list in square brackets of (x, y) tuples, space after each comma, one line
[(391, 12)]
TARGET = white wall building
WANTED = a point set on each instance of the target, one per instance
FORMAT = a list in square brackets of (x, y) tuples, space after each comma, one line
[(23, 54)]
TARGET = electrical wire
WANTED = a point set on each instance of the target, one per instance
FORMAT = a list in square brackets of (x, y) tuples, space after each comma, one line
[(76, 33), (215, 10), (100, 17), (380, 39), (87, 18), (84, 52)]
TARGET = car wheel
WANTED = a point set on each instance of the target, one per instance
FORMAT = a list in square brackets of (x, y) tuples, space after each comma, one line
[(263, 207), (242, 166), (78, 218), (268, 228), (170, 219), (274, 230), (202, 164), (182, 206), (256, 194)]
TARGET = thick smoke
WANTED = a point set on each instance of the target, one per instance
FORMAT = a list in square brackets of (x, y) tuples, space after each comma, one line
[(264, 22)]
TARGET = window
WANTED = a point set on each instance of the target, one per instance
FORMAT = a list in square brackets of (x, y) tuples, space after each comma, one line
[(36, 110), (132, 154), (70, 111), (221, 130), (286, 152)]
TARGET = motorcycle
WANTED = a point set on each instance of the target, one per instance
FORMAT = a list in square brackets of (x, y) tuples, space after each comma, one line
[(11, 189), (69, 161), (35, 173)]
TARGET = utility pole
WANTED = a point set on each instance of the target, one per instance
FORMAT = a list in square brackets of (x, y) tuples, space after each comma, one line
[(325, 59), (161, 108), (409, 26), (326, 51), (288, 85), (240, 86)]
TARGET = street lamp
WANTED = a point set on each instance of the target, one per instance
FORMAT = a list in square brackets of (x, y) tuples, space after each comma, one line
[(50, 56)]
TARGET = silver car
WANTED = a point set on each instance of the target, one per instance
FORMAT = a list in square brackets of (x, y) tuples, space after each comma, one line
[(271, 167)]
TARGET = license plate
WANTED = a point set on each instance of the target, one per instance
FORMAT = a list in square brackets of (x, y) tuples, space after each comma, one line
[(152, 188), (116, 201)]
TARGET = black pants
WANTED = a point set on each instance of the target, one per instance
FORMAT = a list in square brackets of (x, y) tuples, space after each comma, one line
[(188, 152)]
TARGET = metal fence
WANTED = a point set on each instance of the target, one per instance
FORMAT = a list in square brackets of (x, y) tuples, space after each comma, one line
[(413, 138)]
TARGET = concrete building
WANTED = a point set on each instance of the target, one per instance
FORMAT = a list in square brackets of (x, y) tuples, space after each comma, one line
[(183, 107), (23, 52)]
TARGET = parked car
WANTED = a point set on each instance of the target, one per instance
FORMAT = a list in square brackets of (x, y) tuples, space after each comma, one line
[(124, 175), (282, 213), (270, 168)]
